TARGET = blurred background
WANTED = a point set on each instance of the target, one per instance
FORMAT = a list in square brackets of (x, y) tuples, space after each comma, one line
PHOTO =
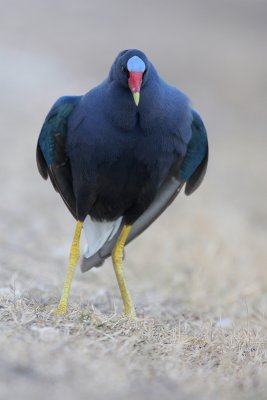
[(207, 252)]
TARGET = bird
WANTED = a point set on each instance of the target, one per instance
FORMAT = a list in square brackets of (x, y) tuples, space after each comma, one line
[(118, 155)]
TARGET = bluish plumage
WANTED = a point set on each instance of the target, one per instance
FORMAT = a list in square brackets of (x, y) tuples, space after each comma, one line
[(196, 149), (55, 123), (109, 158)]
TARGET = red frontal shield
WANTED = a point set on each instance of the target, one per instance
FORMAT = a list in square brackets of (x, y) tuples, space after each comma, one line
[(135, 81)]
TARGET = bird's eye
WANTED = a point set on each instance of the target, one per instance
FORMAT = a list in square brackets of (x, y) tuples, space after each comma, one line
[(124, 69)]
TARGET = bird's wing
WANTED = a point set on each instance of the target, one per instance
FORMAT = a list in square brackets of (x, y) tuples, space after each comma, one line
[(194, 165), (51, 156), (190, 172)]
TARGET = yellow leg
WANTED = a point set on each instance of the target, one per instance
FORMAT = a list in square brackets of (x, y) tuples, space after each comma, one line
[(73, 260), (117, 256)]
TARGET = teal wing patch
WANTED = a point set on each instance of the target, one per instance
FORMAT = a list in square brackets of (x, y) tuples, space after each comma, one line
[(51, 156), (194, 165)]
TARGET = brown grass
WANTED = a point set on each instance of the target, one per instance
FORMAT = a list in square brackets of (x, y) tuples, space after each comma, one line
[(89, 353)]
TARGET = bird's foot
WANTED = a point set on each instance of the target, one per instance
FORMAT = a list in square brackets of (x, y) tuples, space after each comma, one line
[(62, 308), (131, 315), (129, 309), (73, 260)]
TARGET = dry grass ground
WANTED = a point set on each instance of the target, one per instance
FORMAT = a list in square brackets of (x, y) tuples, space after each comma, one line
[(198, 275)]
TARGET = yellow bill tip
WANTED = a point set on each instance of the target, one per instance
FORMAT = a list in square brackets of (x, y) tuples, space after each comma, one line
[(136, 97)]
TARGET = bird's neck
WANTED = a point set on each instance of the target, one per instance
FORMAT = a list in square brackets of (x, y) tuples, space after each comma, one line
[(122, 112), (119, 107)]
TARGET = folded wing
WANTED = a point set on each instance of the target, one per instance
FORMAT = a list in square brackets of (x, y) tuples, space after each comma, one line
[(51, 156)]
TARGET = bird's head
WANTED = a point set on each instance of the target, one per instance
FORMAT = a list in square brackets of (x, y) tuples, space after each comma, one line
[(130, 70)]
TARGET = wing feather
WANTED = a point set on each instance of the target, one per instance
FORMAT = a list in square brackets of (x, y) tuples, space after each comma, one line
[(51, 155), (194, 165)]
